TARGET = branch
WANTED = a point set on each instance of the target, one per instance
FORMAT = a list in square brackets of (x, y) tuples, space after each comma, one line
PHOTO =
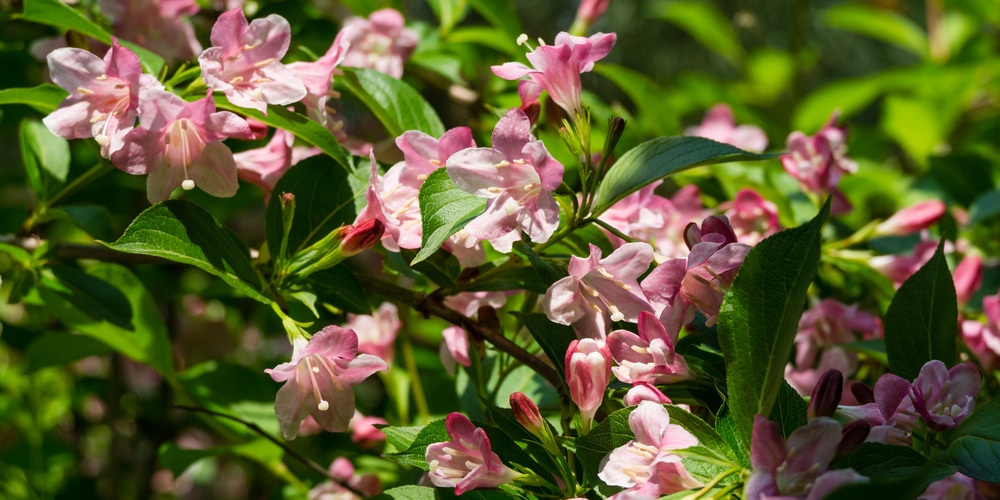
[(434, 306)]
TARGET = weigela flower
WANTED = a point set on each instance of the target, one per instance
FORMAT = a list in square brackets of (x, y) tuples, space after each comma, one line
[(467, 461), (899, 268), (244, 61), (468, 303), (454, 348), (820, 161), (517, 177), (377, 331), (318, 75), (103, 100), (719, 126), (912, 218), (648, 357), (968, 277), (588, 372), (264, 166), (343, 470), (798, 468), (644, 391), (363, 430), (699, 282), (599, 291), (382, 42), (945, 397), (159, 25), (752, 217), (557, 69), (984, 339), (892, 417), (639, 215), (647, 460), (588, 13), (179, 143), (955, 487), (319, 380)]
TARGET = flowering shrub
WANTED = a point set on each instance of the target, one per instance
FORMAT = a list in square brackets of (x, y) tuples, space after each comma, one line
[(527, 304)]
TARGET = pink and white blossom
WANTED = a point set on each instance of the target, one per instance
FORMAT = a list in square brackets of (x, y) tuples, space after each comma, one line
[(363, 430), (317, 76), (984, 339), (376, 331), (244, 61), (179, 143), (103, 100), (381, 42), (818, 162), (556, 69), (647, 462), (912, 219), (954, 487), (454, 348), (467, 462), (945, 397), (468, 303), (162, 26), (600, 290), (968, 277), (644, 391), (342, 471), (265, 165), (719, 126), (588, 372), (649, 356), (319, 380), (752, 217), (517, 177)]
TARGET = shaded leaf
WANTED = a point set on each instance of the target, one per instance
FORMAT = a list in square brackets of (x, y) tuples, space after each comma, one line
[(553, 338), (395, 103), (408, 492), (46, 156), (61, 349), (339, 287), (44, 98), (974, 447), (444, 209), (415, 454), (789, 410), (705, 23), (880, 24)]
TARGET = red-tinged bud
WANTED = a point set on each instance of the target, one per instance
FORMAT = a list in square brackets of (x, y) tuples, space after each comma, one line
[(968, 277), (532, 110), (912, 218), (852, 436), (588, 372), (527, 414), (258, 129), (863, 393), (826, 395), (361, 237), (587, 14)]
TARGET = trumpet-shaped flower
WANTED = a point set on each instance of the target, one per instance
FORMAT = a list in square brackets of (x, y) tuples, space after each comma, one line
[(454, 348), (599, 291), (820, 161), (647, 461), (945, 397), (467, 461), (103, 100), (318, 75), (557, 68), (319, 380), (912, 219), (753, 218), (159, 25), (588, 372), (517, 177), (719, 126), (647, 357), (179, 143), (377, 331), (244, 61), (382, 42), (644, 391)]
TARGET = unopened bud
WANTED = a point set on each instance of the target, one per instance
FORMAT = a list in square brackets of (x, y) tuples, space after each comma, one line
[(644, 391), (526, 412), (258, 129), (968, 277), (912, 218), (588, 14), (852, 436), (361, 237), (532, 110), (863, 393), (588, 372), (616, 127), (826, 394)]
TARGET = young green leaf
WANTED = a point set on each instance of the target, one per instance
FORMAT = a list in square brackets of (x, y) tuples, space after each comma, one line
[(44, 98), (444, 209), (789, 410), (184, 232), (395, 103), (760, 315), (974, 447), (922, 319), (416, 453), (408, 492), (659, 158), (46, 157)]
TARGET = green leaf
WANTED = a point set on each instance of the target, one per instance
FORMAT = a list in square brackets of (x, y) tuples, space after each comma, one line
[(408, 492), (964, 177), (61, 349), (102, 301), (659, 158), (395, 103), (655, 113), (906, 487), (415, 454), (880, 24), (553, 338), (789, 410), (324, 201), (922, 319), (974, 446), (94, 219), (886, 462), (760, 315), (985, 207), (184, 232), (46, 156), (339, 287), (401, 438), (146, 341), (444, 209), (300, 125), (847, 96), (44, 98), (725, 425), (914, 125), (705, 23), (499, 13), (441, 267), (57, 14), (448, 12), (547, 272)]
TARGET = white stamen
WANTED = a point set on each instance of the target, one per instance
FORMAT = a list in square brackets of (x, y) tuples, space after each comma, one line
[(502, 164), (523, 39), (101, 78), (84, 91), (188, 184), (265, 62), (102, 139), (323, 405)]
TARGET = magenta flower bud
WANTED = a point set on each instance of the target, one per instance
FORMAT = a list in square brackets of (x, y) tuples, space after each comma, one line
[(360, 237), (826, 394), (852, 436), (588, 372), (912, 218), (590, 11), (862, 392), (945, 397), (968, 277), (526, 412), (644, 391)]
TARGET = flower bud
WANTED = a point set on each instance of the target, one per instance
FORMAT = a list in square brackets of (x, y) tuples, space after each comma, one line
[(588, 372), (587, 14), (968, 277), (644, 391), (852, 436), (826, 394), (361, 237), (616, 127), (862, 392), (527, 414), (912, 218), (340, 244)]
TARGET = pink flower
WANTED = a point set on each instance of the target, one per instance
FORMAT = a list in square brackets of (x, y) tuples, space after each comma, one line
[(820, 161), (588, 372), (599, 291), (639, 215), (103, 100), (342, 470), (468, 303), (517, 177), (317, 76), (968, 277), (264, 166), (891, 416), (647, 461), (467, 461), (945, 397), (984, 339), (363, 430), (798, 468), (681, 286), (159, 25), (244, 61), (557, 69), (319, 380), (719, 126), (753, 218), (644, 391), (955, 487), (648, 357), (376, 332), (179, 143), (899, 268), (912, 218), (381, 42), (588, 13), (454, 348)]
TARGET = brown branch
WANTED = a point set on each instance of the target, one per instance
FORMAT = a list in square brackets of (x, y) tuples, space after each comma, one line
[(434, 306)]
